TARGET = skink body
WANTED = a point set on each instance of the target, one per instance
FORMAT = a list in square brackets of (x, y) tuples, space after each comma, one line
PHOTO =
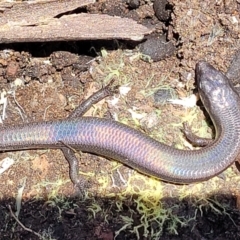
[(135, 149)]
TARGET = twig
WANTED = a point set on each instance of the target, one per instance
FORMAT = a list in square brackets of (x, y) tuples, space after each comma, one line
[(25, 228)]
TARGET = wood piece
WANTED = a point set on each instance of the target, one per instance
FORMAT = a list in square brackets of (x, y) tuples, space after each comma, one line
[(53, 21), (27, 13)]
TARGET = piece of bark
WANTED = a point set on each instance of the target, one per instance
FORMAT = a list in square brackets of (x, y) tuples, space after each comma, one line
[(53, 21), (38, 13)]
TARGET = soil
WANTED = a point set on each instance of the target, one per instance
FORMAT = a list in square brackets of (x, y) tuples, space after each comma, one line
[(47, 81)]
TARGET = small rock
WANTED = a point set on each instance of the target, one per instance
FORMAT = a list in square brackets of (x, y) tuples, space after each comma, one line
[(160, 9), (157, 48), (12, 70), (133, 4), (161, 96), (62, 59)]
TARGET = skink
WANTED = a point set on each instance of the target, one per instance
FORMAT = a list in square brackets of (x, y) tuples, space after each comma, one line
[(134, 148)]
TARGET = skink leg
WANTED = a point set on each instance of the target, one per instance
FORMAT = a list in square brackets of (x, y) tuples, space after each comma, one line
[(198, 141), (109, 90), (78, 112), (194, 139), (73, 168)]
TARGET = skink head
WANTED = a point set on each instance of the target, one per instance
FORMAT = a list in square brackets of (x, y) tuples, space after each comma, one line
[(215, 89)]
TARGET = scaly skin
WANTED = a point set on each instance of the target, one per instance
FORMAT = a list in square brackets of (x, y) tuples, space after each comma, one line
[(135, 149)]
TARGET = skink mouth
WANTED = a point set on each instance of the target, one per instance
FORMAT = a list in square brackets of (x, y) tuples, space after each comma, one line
[(208, 78), (205, 72), (205, 76), (201, 65), (215, 89)]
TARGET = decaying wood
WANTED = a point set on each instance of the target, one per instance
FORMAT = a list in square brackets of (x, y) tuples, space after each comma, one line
[(53, 21), (38, 13)]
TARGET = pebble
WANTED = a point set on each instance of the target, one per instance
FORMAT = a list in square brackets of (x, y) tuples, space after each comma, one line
[(134, 4), (160, 9), (161, 96), (157, 48)]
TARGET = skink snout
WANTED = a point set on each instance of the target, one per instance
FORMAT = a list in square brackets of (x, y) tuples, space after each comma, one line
[(214, 87), (209, 78)]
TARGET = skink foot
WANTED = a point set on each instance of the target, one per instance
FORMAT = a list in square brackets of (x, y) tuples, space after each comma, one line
[(194, 139)]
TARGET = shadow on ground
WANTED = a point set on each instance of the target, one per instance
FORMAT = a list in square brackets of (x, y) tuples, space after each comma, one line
[(99, 218)]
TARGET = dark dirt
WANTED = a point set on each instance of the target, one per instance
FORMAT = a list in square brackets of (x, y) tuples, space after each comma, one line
[(47, 81)]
